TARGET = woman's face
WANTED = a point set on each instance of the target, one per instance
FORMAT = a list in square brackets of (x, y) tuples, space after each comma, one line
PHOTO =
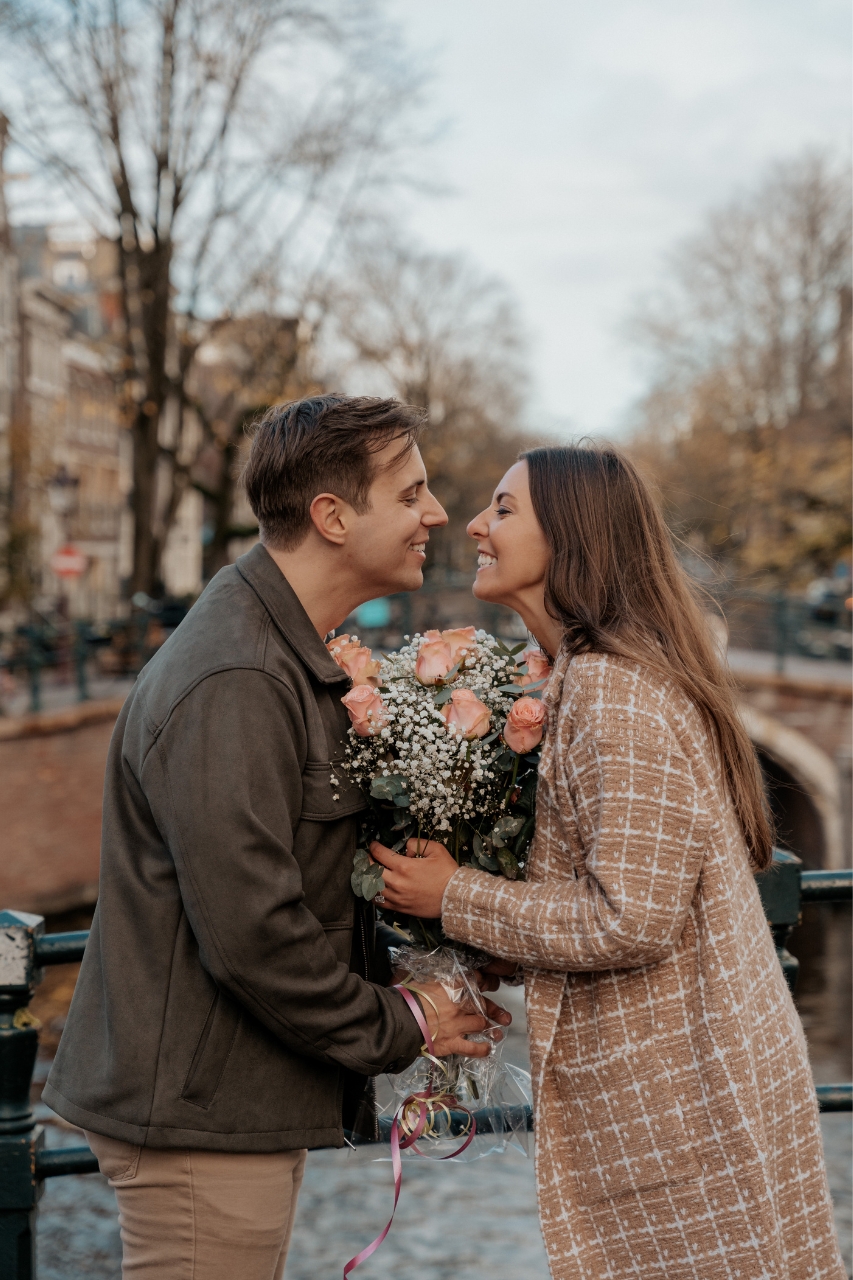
[(513, 552)]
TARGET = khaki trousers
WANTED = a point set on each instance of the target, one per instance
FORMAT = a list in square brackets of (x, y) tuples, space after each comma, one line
[(201, 1215)]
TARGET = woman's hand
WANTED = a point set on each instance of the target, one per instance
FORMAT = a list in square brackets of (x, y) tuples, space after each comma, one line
[(449, 1023), (415, 884)]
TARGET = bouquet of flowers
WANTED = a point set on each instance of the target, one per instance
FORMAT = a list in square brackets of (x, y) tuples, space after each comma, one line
[(444, 738)]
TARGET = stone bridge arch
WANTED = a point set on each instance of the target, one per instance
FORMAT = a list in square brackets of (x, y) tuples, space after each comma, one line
[(805, 788)]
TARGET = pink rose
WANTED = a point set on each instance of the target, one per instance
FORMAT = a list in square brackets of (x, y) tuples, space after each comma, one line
[(355, 659), (525, 725), (461, 641), (467, 714), (538, 667), (359, 664), (366, 710), (434, 660)]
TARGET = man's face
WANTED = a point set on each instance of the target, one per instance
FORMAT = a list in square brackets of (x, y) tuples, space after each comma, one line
[(386, 545)]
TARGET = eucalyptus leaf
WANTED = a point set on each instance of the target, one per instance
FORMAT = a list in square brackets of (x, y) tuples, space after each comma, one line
[(441, 696), (361, 861), (508, 864), (355, 880), (511, 688), (478, 843), (524, 838), (388, 788), (490, 863), (371, 885), (505, 828)]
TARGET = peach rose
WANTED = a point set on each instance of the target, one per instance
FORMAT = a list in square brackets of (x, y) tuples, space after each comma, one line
[(525, 725), (434, 660), (461, 641), (538, 667), (366, 710), (355, 659), (467, 714)]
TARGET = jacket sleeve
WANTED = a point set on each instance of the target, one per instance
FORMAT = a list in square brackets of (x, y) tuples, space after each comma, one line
[(224, 782), (643, 829)]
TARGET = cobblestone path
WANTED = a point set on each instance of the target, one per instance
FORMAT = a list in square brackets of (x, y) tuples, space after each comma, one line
[(474, 1221)]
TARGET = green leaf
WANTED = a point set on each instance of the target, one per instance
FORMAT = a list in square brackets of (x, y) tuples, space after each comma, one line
[(508, 864), (511, 688), (478, 844), (524, 838), (505, 828), (372, 884), (355, 880), (490, 863), (441, 696), (518, 648), (505, 760), (390, 788), (361, 861)]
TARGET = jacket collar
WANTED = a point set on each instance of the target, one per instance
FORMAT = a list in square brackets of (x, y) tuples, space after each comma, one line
[(285, 608)]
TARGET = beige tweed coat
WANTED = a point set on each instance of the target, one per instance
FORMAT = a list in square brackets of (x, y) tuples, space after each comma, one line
[(677, 1132)]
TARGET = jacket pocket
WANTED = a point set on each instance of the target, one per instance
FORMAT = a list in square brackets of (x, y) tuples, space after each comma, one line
[(212, 1051), (625, 1127), (319, 792)]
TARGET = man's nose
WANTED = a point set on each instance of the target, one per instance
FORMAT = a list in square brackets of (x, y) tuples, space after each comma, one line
[(435, 515)]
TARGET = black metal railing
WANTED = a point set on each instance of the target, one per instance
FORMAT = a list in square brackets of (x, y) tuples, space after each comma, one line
[(25, 949)]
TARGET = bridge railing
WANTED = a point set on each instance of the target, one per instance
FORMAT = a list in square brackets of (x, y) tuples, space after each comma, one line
[(25, 949)]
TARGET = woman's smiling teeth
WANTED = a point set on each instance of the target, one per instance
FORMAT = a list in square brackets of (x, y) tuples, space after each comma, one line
[(484, 560)]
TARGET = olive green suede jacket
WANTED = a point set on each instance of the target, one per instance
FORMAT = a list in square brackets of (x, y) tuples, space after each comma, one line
[(232, 996)]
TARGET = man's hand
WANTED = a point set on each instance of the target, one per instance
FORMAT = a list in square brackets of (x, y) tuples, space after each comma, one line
[(415, 884), (449, 1023)]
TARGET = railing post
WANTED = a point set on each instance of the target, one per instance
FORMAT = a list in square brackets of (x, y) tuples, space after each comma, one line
[(781, 897), (20, 1138)]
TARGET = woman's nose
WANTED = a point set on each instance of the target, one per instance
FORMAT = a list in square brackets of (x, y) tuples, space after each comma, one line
[(477, 528)]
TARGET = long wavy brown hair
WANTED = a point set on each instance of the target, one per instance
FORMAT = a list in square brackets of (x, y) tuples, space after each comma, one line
[(616, 586)]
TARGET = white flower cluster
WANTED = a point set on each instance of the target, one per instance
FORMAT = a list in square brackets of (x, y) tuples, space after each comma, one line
[(445, 776)]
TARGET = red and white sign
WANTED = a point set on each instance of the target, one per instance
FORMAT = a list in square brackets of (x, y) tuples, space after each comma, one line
[(68, 562)]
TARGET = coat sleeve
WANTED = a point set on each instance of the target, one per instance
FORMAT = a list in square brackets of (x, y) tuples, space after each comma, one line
[(227, 801), (643, 828)]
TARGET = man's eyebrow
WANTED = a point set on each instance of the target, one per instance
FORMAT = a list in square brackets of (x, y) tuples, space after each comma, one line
[(416, 484)]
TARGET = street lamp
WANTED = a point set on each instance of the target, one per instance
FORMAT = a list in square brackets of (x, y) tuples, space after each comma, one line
[(62, 491)]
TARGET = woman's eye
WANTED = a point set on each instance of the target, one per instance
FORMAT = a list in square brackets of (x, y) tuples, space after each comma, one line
[(504, 511)]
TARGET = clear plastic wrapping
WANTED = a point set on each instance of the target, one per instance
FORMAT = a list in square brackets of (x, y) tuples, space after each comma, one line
[(496, 1091)]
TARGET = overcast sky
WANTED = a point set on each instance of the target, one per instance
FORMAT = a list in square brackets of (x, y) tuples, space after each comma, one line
[(586, 139)]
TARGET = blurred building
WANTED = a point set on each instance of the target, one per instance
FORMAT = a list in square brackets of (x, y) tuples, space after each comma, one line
[(65, 453)]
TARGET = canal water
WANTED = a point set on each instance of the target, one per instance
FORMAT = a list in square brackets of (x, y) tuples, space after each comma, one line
[(455, 1221)]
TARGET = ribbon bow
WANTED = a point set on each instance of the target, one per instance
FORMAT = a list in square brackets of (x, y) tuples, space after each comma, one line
[(414, 1118)]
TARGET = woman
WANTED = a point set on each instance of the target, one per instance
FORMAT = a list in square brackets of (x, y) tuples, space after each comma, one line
[(676, 1122)]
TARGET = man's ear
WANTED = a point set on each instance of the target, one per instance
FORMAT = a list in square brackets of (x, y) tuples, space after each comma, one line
[(330, 517)]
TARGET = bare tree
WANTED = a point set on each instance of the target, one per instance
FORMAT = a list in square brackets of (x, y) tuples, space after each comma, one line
[(251, 363), (218, 142), (432, 330), (747, 422)]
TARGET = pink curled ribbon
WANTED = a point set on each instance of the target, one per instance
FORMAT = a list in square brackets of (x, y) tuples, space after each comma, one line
[(411, 1134)]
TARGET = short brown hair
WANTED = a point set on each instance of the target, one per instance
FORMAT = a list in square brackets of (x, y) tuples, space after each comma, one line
[(323, 444), (616, 586)]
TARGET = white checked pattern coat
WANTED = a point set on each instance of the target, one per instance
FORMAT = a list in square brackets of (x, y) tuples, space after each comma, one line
[(677, 1129)]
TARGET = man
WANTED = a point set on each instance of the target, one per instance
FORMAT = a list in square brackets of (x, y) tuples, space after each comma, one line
[(233, 1000)]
